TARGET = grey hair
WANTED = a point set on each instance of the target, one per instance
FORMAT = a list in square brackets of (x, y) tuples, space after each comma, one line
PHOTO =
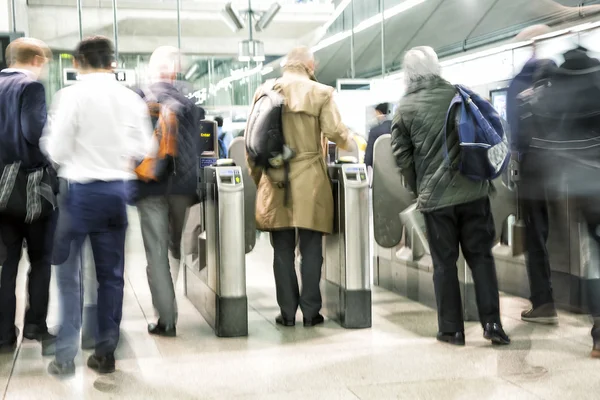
[(165, 60), (420, 62)]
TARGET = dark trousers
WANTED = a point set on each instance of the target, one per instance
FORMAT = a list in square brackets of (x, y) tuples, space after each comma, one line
[(39, 236), (471, 226), (535, 215), (97, 210), (286, 280)]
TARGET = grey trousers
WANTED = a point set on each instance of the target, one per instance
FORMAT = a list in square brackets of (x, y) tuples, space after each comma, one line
[(289, 296), (162, 219)]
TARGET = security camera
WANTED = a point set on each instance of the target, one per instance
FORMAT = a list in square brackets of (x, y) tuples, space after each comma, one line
[(232, 18), (266, 19)]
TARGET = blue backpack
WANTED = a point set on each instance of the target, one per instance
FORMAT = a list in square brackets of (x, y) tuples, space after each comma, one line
[(484, 150), (222, 148)]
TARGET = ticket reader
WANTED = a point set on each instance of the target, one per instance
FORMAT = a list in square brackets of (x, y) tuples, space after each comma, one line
[(347, 272), (216, 285)]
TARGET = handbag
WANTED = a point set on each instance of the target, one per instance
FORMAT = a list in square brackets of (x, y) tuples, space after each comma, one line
[(27, 194)]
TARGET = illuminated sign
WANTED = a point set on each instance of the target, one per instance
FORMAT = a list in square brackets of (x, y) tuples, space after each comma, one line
[(124, 76)]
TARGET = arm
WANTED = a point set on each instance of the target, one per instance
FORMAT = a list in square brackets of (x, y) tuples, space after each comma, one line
[(402, 148), (331, 125), (33, 112), (60, 139)]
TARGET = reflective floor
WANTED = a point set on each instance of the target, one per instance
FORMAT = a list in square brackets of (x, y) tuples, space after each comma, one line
[(396, 359)]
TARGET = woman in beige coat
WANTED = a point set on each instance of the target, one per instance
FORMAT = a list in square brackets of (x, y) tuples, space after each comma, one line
[(310, 116)]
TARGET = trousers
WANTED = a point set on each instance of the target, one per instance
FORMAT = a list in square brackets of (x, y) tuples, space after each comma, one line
[(470, 226), (97, 210), (162, 219), (289, 296), (39, 236), (535, 214)]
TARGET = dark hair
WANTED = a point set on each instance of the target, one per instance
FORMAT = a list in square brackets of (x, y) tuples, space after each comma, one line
[(382, 108), (219, 121), (95, 52)]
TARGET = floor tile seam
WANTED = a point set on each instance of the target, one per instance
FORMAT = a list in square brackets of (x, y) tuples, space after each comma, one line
[(12, 371), (520, 387)]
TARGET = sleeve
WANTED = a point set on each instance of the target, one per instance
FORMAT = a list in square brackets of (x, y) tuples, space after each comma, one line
[(60, 137), (370, 146), (331, 125), (402, 148), (33, 112)]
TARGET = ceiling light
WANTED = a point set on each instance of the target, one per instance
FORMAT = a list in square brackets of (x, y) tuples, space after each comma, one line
[(266, 19), (232, 18)]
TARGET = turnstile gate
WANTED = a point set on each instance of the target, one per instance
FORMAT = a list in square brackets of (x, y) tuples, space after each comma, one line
[(347, 271)]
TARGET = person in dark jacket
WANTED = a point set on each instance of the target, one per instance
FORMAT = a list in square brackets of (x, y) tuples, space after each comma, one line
[(569, 154), (163, 202), (532, 193), (22, 119), (383, 127), (456, 209)]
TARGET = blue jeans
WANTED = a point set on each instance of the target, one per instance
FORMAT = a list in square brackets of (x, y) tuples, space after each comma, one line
[(97, 210)]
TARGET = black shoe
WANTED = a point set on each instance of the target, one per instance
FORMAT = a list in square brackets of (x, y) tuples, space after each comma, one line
[(544, 314), (455, 338), (496, 334), (314, 321), (279, 320), (162, 330), (65, 369), (102, 365), (34, 332)]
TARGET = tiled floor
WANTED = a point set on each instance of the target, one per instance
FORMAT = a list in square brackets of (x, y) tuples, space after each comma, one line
[(396, 359)]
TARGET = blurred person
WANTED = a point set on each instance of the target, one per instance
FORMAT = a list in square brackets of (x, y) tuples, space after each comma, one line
[(559, 116), (309, 113), (99, 130), (167, 187), (532, 193), (224, 137), (22, 119), (383, 127), (456, 209)]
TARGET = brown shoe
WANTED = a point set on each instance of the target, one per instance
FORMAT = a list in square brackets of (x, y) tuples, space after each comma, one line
[(596, 349), (544, 314)]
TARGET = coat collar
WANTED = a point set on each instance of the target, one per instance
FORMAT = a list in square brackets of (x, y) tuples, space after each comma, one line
[(429, 82)]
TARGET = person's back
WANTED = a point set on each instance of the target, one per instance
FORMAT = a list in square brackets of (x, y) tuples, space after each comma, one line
[(383, 127), (456, 209), (103, 131), (309, 114), (437, 181), (22, 119)]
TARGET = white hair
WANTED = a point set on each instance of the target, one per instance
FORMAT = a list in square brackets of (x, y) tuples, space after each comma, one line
[(165, 60), (420, 62)]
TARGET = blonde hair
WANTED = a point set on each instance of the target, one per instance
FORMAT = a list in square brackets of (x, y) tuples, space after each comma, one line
[(25, 50), (420, 62), (531, 32)]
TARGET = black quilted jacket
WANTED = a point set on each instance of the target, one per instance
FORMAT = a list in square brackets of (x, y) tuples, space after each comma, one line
[(184, 179), (418, 147)]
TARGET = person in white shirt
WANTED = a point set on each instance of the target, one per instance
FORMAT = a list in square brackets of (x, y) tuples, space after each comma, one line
[(99, 130)]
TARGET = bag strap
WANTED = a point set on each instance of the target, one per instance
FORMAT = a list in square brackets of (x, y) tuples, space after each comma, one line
[(458, 98)]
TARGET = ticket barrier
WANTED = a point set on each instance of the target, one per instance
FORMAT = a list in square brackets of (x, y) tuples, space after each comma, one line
[(402, 261), (215, 280), (347, 272), (237, 152)]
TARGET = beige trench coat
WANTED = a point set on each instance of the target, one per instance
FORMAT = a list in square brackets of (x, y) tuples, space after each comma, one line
[(310, 118)]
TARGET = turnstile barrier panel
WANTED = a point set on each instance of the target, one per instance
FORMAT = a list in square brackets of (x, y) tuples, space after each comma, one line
[(390, 196), (224, 233), (237, 152)]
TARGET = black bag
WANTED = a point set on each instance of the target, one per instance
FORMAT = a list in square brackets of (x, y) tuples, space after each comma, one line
[(265, 143), (27, 194)]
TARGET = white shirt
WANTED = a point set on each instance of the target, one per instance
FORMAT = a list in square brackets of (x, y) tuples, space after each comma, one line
[(97, 130)]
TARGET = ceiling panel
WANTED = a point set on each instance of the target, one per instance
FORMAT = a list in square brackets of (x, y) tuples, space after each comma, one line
[(334, 64)]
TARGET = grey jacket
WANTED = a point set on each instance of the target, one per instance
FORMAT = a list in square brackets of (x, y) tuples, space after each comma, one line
[(418, 147)]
